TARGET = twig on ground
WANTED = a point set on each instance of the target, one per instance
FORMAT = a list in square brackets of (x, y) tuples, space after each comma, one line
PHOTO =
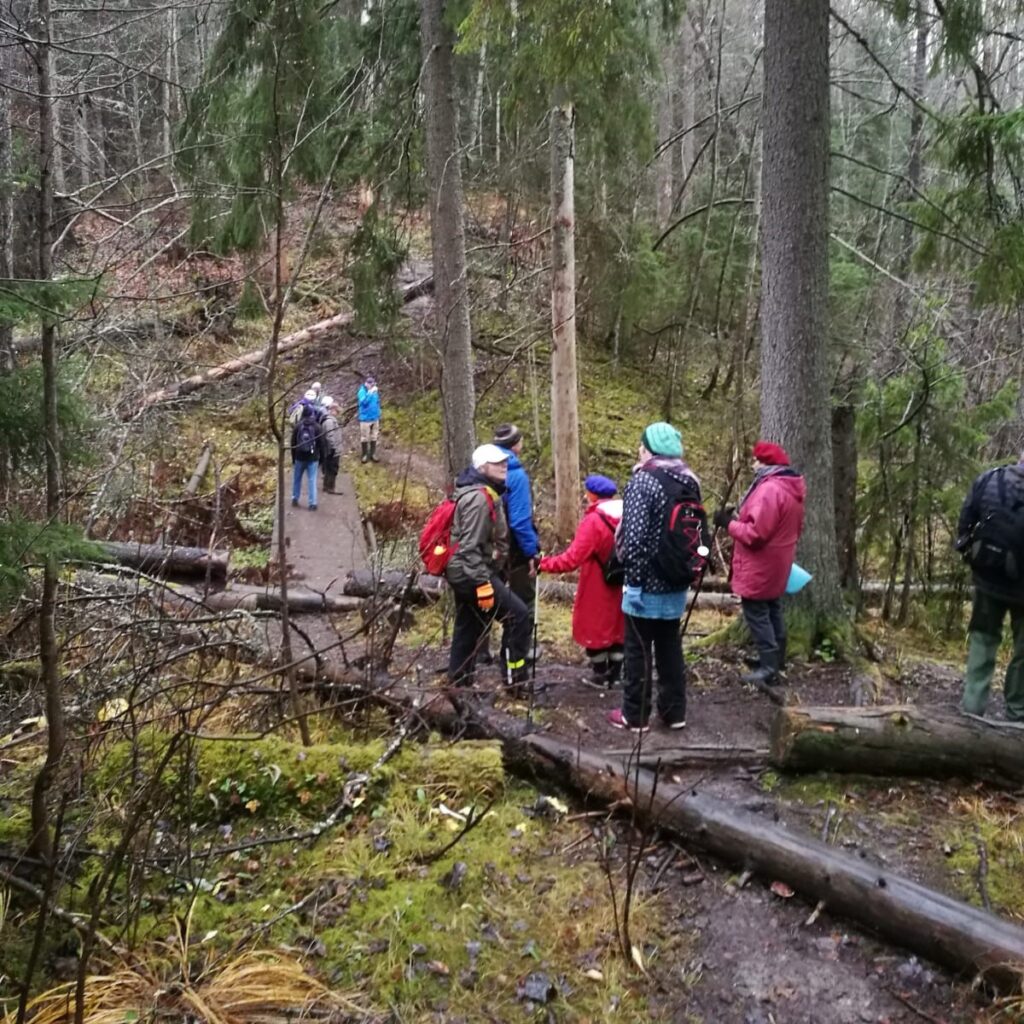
[(472, 821), (982, 870)]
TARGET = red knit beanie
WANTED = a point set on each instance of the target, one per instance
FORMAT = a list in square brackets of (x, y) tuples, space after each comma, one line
[(771, 454)]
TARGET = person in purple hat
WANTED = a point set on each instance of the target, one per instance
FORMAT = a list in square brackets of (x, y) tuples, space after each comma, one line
[(598, 624)]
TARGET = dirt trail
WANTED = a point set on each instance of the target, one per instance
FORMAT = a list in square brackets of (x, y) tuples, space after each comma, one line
[(325, 545)]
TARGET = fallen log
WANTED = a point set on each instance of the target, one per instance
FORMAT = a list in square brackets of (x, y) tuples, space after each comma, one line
[(202, 465), (968, 940), (170, 561), (300, 601), (896, 740), (366, 583), (287, 344), (964, 938)]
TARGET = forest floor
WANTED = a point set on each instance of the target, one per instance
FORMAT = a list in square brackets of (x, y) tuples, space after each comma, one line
[(743, 954)]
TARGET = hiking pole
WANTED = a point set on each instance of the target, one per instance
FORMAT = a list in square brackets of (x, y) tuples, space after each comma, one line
[(533, 652), (711, 548)]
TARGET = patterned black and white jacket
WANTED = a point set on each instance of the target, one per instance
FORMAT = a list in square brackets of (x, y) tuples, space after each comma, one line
[(645, 507)]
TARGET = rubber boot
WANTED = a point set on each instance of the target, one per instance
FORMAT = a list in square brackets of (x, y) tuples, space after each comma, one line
[(366, 452), (767, 673), (614, 671), (373, 452)]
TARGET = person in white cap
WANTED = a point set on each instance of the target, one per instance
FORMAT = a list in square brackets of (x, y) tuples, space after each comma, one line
[(332, 444), (479, 539)]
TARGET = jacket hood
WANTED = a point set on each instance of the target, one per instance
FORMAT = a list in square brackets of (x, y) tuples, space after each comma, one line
[(793, 483), (679, 468), (611, 507), (470, 478)]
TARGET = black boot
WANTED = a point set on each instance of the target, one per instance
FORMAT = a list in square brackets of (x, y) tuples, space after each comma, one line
[(782, 657), (614, 671), (767, 672), (373, 452), (366, 452)]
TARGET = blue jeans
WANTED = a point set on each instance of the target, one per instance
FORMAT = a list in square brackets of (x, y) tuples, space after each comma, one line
[(299, 470)]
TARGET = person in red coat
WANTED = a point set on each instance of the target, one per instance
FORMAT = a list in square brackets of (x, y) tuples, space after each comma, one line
[(597, 620), (765, 528)]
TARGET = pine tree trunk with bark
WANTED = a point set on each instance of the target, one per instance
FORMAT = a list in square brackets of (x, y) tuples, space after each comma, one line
[(565, 424), (795, 395), (447, 235), (6, 198)]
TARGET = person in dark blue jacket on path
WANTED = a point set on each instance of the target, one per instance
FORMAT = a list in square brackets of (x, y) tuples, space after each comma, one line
[(369, 419), (524, 546)]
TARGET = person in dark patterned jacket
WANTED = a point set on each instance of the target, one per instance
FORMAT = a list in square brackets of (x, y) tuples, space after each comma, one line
[(652, 605)]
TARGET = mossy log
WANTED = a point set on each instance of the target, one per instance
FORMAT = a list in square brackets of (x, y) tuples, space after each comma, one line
[(896, 740), (965, 938), (167, 561)]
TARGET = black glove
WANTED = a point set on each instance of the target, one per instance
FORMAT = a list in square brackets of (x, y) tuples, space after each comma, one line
[(724, 516)]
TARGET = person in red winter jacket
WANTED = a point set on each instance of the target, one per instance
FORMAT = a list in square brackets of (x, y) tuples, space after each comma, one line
[(765, 528), (597, 620)]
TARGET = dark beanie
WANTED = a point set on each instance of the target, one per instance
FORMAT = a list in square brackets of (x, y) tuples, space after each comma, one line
[(507, 435)]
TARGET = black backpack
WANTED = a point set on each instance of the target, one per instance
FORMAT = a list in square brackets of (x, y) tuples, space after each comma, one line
[(995, 547), (685, 541), (307, 438), (612, 569)]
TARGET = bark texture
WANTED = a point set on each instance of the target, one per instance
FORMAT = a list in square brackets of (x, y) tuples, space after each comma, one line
[(565, 422), (897, 740), (172, 561), (795, 397), (447, 235)]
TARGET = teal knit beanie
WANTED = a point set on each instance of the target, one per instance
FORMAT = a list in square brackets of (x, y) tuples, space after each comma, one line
[(663, 439)]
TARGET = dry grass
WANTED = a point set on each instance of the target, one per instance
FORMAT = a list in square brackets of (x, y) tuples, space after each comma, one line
[(255, 988)]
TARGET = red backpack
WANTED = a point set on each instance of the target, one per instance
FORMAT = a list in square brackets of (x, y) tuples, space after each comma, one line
[(436, 547)]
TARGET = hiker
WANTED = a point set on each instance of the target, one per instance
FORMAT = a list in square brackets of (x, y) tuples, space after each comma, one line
[(597, 620), (310, 400), (653, 605), (369, 419), (990, 535), (765, 528), (479, 543), (307, 450), (524, 547), (331, 444)]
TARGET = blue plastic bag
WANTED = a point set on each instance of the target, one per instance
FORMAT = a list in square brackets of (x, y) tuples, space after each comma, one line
[(799, 577)]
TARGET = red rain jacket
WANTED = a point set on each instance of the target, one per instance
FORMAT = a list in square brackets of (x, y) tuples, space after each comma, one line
[(597, 619), (766, 530)]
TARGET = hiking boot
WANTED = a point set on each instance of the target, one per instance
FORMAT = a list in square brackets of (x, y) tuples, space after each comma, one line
[(295, 502), (679, 723), (763, 675), (617, 720), (752, 660), (312, 508)]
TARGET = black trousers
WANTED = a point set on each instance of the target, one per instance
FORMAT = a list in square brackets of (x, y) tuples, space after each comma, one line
[(660, 636), (471, 625), (767, 626), (331, 464)]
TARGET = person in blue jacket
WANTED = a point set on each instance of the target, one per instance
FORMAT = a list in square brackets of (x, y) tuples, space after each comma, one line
[(524, 546), (369, 419)]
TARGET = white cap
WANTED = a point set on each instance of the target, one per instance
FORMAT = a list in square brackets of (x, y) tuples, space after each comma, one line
[(488, 453), (315, 386), (327, 401), (310, 395)]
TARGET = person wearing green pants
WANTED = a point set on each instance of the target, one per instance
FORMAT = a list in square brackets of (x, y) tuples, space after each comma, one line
[(990, 535)]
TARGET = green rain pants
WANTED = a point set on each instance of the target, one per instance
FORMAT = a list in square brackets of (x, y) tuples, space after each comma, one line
[(985, 633)]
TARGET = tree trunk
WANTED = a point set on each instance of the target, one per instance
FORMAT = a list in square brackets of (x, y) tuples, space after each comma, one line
[(664, 179), (565, 426), (795, 398), (686, 83), (40, 842), (170, 561), (898, 741), (844, 459), (6, 203), (447, 236)]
